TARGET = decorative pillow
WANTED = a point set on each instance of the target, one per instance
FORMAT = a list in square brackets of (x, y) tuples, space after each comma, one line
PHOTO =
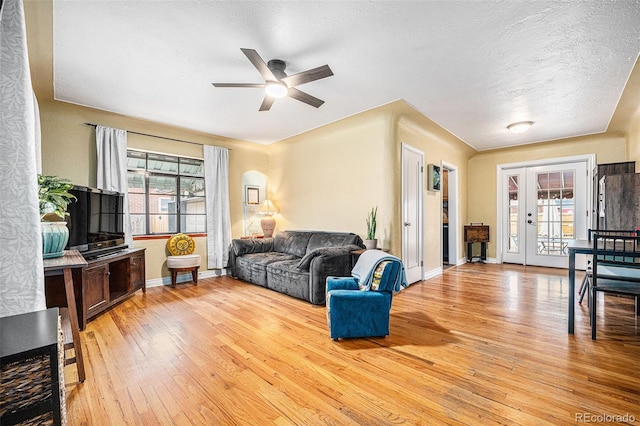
[(377, 277), (181, 244)]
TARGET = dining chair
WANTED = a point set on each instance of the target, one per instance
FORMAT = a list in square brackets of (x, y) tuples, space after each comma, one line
[(584, 286), (615, 270)]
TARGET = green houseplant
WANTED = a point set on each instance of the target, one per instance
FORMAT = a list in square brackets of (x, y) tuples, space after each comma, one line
[(371, 242), (53, 199)]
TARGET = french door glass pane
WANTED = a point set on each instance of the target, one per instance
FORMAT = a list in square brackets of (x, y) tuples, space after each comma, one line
[(555, 212), (514, 210)]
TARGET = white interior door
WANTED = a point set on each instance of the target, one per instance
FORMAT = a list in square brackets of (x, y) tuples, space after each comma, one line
[(543, 208), (412, 212)]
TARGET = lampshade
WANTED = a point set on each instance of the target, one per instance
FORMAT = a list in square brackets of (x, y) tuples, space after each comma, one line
[(267, 208), (276, 90), (520, 126)]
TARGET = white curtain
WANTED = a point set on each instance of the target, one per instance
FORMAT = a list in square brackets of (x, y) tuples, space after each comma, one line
[(112, 168), (21, 275), (216, 175)]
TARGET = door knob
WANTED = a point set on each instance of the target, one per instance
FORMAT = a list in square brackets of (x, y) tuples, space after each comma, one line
[(530, 222), (407, 224)]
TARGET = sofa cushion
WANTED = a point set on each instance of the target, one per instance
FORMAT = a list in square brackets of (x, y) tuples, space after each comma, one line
[(252, 266), (294, 243), (332, 239), (286, 278)]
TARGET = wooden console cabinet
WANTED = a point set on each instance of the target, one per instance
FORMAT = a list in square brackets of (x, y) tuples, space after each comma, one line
[(103, 283)]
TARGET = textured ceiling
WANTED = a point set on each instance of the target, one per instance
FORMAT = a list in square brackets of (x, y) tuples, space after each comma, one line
[(473, 67)]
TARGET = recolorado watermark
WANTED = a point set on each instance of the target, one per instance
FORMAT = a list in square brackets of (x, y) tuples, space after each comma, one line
[(604, 418)]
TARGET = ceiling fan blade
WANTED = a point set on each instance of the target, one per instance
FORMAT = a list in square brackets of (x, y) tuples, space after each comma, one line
[(260, 65), (260, 85), (266, 103), (307, 76), (304, 97)]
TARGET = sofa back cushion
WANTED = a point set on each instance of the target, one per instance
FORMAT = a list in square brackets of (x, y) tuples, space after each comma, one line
[(292, 242), (332, 239)]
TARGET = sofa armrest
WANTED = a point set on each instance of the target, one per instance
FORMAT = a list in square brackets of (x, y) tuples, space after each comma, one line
[(240, 247), (341, 283), (330, 261), (326, 253)]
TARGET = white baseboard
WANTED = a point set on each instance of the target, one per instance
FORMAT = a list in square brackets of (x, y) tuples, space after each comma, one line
[(185, 277), (432, 273)]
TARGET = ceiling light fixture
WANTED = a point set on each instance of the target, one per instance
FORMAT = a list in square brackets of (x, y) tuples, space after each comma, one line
[(520, 126), (276, 89)]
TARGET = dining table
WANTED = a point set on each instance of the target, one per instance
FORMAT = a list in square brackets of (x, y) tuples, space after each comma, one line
[(575, 247)]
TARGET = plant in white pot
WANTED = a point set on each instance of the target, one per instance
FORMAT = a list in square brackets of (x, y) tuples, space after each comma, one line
[(53, 199), (371, 242)]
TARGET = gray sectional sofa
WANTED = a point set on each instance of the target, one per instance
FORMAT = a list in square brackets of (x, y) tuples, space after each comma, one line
[(296, 263)]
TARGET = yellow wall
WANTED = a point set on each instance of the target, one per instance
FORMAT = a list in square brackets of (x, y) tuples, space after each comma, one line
[(482, 180), (330, 178), (633, 141), (438, 145)]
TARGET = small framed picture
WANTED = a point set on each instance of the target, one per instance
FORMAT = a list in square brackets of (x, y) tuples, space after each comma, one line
[(252, 196), (433, 177)]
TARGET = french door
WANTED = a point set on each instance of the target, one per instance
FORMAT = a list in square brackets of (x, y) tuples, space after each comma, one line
[(543, 208)]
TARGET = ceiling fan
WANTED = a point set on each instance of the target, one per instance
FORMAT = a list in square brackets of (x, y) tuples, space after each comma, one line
[(277, 84)]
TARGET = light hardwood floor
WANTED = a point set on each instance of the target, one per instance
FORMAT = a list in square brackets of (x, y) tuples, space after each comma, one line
[(479, 345)]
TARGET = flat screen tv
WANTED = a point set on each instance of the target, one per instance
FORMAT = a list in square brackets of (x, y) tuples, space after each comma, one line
[(96, 222)]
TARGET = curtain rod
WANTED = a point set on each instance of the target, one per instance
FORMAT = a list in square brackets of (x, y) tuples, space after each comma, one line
[(154, 136)]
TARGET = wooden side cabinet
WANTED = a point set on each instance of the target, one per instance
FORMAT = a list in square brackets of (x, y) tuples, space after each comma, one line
[(103, 283), (31, 379), (476, 234)]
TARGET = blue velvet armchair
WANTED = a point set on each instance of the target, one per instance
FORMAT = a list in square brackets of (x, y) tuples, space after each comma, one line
[(360, 307)]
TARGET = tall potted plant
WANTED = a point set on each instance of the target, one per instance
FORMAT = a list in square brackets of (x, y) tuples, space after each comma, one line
[(371, 242), (53, 199)]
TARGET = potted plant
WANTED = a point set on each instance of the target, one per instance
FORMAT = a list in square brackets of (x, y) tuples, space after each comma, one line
[(53, 199), (371, 242)]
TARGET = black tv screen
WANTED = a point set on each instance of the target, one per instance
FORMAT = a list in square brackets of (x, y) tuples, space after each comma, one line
[(96, 221)]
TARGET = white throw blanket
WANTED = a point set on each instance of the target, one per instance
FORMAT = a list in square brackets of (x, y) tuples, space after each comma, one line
[(366, 266)]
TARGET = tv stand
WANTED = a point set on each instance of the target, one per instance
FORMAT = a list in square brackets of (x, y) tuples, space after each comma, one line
[(103, 283)]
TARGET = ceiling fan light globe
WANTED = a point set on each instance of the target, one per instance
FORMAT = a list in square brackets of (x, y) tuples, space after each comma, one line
[(276, 90), (520, 126)]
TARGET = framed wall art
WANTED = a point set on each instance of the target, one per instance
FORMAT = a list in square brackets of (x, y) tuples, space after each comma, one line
[(252, 196), (433, 177)]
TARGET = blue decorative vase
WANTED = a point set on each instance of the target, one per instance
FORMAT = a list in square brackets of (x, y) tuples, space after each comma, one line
[(55, 236)]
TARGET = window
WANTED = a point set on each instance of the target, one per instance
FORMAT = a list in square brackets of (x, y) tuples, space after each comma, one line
[(166, 194)]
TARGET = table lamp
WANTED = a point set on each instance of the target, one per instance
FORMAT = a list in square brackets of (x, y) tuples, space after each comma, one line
[(268, 223)]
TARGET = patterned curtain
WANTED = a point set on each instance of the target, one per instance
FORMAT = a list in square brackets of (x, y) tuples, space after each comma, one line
[(216, 176), (21, 275)]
